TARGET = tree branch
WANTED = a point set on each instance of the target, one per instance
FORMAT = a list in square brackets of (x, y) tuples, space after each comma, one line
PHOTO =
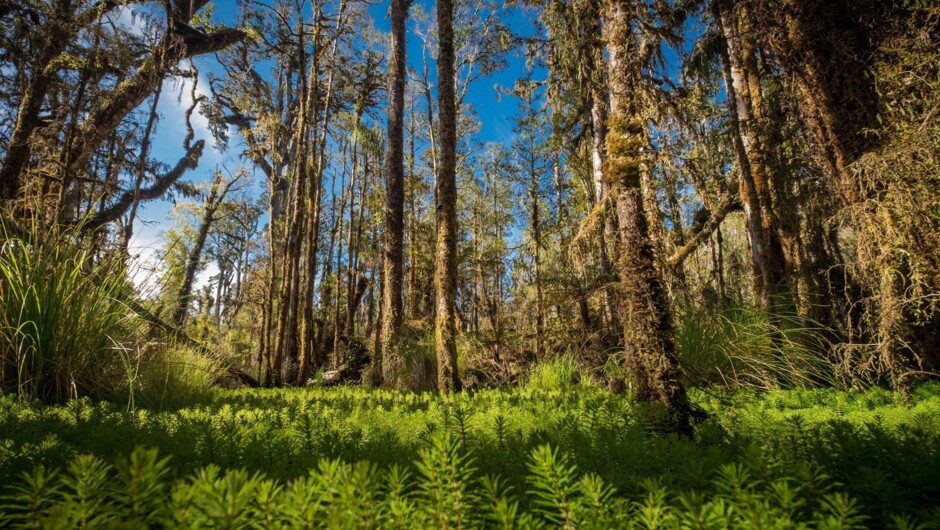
[(116, 210), (131, 93), (726, 205)]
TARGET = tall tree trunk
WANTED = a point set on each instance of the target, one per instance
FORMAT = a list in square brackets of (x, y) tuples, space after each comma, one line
[(650, 348), (445, 272), (599, 93), (312, 202), (287, 353), (394, 201), (536, 226), (337, 360), (767, 256), (354, 274), (413, 298), (311, 357)]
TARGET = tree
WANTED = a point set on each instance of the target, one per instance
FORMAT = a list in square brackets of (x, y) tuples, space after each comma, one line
[(530, 146), (394, 199), (743, 94), (445, 272), (649, 345), (217, 193)]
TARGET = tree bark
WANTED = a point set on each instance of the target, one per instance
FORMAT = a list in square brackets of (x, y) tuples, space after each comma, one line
[(767, 256), (599, 94), (650, 348), (445, 273), (535, 223), (412, 218), (17, 156), (287, 351), (394, 201)]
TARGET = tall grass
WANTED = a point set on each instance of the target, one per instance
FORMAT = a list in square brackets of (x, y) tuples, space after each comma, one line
[(740, 347), (64, 316), (557, 373), (173, 375)]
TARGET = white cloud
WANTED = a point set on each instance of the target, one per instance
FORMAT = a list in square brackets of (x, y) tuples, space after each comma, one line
[(176, 101), (177, 92), (130, 20), (145, 251)]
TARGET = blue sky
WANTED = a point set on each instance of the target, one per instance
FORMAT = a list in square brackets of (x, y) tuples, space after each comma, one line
[(495, 114)]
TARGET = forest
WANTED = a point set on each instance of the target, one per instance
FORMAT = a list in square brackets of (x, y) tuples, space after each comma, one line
[(653, 264)]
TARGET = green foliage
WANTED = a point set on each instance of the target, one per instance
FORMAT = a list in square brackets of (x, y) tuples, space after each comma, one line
[(357, 458), (558, 373), (64, 317), (174, 375), (740, 347)]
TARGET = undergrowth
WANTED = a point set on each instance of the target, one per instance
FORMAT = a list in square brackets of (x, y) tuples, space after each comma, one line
[(65, 317), (523, 458), (740, 347)]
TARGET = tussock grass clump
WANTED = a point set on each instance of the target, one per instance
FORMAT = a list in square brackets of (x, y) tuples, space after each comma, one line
[(561, 372), (741, 347), (173, 375), (65, 317)]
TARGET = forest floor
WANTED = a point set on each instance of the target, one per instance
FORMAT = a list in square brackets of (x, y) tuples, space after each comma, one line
[(518, 458)]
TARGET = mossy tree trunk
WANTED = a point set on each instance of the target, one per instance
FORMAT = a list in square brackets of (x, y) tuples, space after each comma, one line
[(445, 272), (394, 200), (767, 257), (648, 336)]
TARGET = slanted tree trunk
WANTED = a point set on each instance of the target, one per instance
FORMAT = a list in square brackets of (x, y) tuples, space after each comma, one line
[(767, 255), (825, 49), (650, 348), (445, 272), (216, 195), (432, 138)]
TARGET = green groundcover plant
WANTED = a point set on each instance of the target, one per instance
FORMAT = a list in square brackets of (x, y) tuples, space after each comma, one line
[(522, 458)]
